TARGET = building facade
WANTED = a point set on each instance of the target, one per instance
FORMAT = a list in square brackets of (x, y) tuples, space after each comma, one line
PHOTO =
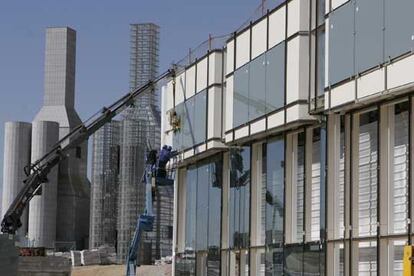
[(295, 144)]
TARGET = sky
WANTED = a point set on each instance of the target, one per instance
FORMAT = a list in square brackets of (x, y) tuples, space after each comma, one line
[(102, 62)]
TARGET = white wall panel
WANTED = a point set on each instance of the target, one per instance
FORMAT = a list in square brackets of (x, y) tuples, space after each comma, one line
[(259, 38), (202, 74), (297, 69), (277, 26), (243, 48), (371, 83), (298, 16), (400, 72), (343, 94), (215, 68), (229, 104), (214, 113), (276, 120), (229, 137), (241, 132), (190, 75), (258, 126), (201, 148), (189, 153), (230, 57), (179, 88), (337, 3), (168, 96), (297, 112)]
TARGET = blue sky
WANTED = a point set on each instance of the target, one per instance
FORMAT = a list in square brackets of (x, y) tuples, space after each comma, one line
[(102, 45)]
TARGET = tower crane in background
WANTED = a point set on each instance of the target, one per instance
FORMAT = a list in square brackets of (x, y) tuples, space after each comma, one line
[(38, 171)]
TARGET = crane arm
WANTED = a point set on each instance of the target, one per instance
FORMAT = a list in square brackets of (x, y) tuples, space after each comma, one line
[(38, 171)]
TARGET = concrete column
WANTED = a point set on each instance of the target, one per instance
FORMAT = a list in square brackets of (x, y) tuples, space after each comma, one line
[(17, 140), (42, 215)]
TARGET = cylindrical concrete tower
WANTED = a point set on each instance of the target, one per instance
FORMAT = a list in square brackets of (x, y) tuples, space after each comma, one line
[(42, 215), (17, 141)]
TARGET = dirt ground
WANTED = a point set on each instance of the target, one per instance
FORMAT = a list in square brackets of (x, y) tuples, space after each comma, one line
[(119, 270)]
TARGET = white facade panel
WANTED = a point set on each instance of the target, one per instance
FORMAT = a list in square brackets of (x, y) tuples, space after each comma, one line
[(297, 112), (230, 57), (167, 96), (400, 72), (229, 104), (243, 48), (189, 153), (336, 3), (179, 88), (201, 148), (258, 126), (371, 83), (276, 120), (242, 132), (343, 94), (202, 74), (298, 16), (297, 69), (259, 38), (214, 113), (277, 27), (215, 144), (190, 75), (215, 68), (229, 137)]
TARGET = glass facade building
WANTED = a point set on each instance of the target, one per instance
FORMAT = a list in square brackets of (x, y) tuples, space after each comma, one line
[(308, 116)]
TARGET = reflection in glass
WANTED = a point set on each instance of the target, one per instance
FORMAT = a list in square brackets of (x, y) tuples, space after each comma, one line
[(367, 173), (300, 189), (257, 87), (190, 209), (241, 96), (273, 157), (275, 78), (367, 258), (400, 158), (239, 204)]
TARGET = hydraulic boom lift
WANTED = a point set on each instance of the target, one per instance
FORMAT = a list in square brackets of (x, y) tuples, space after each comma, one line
[(38, 171)]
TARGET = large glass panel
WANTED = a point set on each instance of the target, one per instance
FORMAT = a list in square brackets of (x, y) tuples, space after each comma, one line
[(200, 117), (367, 174), (396, 251), (399, 27), (300, 188), (202, 206), (399, 168), (368, 34), (341, 43), (214, 204), (239, 197), (339, 259), (190, 209), (213, 263), (293, 260), (274, 260), (340, 190), (187, 122), (320, 12), (257, 259), (320, 61), (257, 90), (178, 135), (241, 96), (315, 197), (275, 78), (275, 153), (313, 260), (367, 258), (185, 264)]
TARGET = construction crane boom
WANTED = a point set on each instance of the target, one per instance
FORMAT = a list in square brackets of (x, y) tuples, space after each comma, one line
[(38, 171)]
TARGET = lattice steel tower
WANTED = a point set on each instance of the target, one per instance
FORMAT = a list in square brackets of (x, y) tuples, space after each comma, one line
[(140, 128)]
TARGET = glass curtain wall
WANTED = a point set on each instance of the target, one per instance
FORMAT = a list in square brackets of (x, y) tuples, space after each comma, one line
[(202, 219)]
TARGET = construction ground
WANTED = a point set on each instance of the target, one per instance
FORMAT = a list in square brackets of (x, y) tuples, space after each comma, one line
[(119, 270)]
